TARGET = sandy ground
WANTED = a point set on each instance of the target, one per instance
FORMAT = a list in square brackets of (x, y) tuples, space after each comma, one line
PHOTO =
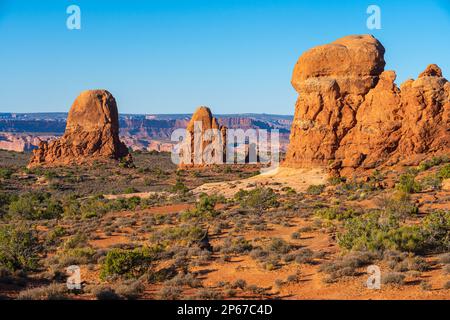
[(297, 179)]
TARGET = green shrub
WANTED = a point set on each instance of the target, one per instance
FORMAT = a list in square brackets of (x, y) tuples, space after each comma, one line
[(444, 172), (19, 247), (259, 199), (376, 231), (435, 161), (204, 208), (128, 263), (76, 256), (408, 183), (6, 173), (35, 206), (398, 205), (436, 230), (334, 181), (180, 187), (432, 182), (183, 233), (130, 190), (334, 213), (236, 245), (5, 200), (315, 189), (76, 241)]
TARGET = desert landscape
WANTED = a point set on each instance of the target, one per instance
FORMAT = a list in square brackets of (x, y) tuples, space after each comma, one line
[(93, 207)]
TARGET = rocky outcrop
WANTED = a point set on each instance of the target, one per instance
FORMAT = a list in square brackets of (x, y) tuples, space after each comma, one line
[(350, 116), (201, 122), (92, 133)]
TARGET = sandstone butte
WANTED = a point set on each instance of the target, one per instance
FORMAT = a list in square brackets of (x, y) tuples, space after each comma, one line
[(351, 117), (92, 133), (203, 116)]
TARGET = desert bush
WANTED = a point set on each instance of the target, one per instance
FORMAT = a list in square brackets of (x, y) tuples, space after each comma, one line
[(259, 199), (5, 200), (179, 187), (78, 240), (130, 289), (315, 189), (280, 246), (398, 205), (35, 206), (103, 292), (407, 262), (130, 190), (76, 256), (335, 213), (296, 235), (435, 228), (182, 234), (184, 279), (204, 208), (53, 237), (393, 278), (334, 181), (19, 247), (435, 161), (431, 182), (377, 232), (240, 283), (170, 293), (52, 292), (91, 207), (303, 256), (407, 183), (208, 294), (346, 265), (236, 245), (6, 173), (129, 263), (444, 172)]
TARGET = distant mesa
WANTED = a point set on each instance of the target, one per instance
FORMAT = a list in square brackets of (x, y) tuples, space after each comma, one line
[(203, 120), (92, 133), (350, 116)]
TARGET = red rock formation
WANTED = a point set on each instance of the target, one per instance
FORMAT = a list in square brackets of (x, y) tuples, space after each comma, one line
[(205, 121), (92, 133), (351, 116)]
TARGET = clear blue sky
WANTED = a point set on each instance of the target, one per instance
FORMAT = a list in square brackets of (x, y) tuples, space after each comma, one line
[(170, 56)]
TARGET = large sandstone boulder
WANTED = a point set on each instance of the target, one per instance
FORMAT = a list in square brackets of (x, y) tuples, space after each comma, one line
[(350, 116), (202, 120), (92, 133)]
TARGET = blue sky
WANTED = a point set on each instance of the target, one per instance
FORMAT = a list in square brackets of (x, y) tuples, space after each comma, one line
[(170, 56)]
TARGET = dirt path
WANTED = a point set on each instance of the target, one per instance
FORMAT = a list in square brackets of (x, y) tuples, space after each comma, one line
[(297, 179)]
